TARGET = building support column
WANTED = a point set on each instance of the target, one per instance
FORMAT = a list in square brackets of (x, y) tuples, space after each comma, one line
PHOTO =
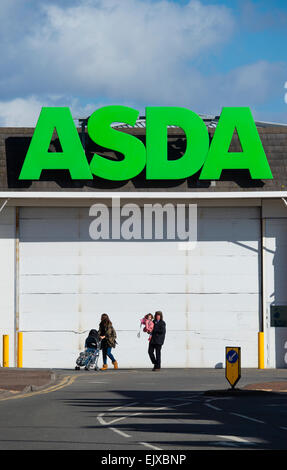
[(261, 346), (16, 318)]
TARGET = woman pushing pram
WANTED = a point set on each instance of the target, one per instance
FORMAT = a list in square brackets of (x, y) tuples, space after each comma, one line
[(89, 357)]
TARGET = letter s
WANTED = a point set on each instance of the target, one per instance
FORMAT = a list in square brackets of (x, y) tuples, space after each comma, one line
[(100, 131)]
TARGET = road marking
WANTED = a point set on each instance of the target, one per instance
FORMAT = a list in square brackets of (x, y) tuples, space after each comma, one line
[(181, 404), (101, 420), (121, 433), (213, 407), (121, 418), (96, 382), (116, 420), (68, 380), (237, 439), (146, 444), (248, 417)]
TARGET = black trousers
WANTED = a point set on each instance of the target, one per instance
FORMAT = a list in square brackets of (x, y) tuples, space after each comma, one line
[(155, 359)]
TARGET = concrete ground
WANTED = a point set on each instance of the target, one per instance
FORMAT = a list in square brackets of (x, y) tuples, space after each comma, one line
[(19, 380)]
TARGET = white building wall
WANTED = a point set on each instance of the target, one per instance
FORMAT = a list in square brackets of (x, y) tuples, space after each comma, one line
[(209, 296), (7, 279), (198, 336)]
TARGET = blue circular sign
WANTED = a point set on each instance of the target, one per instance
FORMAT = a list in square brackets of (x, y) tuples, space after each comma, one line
[(232, 356)]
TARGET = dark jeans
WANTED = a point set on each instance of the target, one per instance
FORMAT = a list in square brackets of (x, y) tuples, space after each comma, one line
[(107, 351), (155, 359)]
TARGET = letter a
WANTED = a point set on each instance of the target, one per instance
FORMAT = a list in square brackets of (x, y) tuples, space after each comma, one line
[(72, 157), (252, 156)]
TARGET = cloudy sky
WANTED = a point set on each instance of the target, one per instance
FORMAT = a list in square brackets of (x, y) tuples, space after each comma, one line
[(200, 54)]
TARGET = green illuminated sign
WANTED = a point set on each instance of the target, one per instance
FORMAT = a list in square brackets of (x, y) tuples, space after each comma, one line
[(212, 159)]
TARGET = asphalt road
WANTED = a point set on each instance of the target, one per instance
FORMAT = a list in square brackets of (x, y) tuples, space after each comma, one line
[(143, 410)]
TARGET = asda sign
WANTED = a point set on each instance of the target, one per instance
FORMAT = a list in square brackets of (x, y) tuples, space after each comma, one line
[(200, 154)]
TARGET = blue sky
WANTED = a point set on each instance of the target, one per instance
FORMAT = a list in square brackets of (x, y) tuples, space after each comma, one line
[(201, 54)]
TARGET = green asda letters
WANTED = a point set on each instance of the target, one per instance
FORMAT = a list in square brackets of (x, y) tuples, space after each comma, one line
[(198, 155), (72, 157), (252, 156)]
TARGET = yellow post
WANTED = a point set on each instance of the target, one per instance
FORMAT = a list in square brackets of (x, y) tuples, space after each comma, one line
[(20, 350), (261, 350), (5, 351)]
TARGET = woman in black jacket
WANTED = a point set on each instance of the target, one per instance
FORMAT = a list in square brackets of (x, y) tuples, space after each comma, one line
[(157, 340)]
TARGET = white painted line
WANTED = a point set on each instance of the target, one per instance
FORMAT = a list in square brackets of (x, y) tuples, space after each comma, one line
[(101, 420), (237, 439), (181, 404), (144, 408), (121, 433), (213, 407), (146, 444), (96, 382), (116, 420), (248, 417)]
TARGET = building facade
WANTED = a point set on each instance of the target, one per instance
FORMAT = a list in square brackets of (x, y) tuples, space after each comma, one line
[(56, 280)]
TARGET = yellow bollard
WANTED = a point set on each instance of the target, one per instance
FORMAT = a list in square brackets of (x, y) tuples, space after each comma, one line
[(5, 351), (261, 350), (20, 350)]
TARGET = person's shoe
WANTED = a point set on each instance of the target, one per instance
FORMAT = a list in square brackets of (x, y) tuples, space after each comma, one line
[(105, 366), (115, 365)]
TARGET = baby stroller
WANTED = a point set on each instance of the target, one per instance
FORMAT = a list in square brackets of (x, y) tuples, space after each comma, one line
[(89, 357)]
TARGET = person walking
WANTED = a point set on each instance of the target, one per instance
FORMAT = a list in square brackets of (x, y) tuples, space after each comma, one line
[(108, 336), (157, 340)]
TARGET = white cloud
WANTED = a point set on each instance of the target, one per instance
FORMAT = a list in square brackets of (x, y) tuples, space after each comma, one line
[(252, 84), (110, 48), (24, 112), (133, 52), (20, 112)]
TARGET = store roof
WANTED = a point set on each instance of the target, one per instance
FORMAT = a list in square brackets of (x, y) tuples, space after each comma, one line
[(210, 121)]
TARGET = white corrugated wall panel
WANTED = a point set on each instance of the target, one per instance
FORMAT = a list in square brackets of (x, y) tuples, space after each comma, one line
[(209, 295)]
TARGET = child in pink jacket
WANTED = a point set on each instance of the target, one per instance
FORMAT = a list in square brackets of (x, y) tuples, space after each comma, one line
[(148, 323)]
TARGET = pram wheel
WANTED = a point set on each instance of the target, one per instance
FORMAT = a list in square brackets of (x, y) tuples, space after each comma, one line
[(77, 368)]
